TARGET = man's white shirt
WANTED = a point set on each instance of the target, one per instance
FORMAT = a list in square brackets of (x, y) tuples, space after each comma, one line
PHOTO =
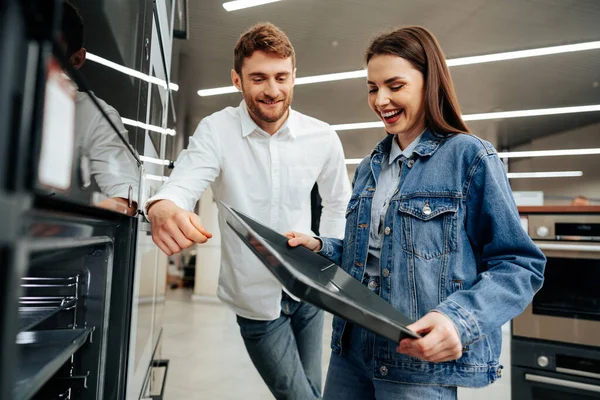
[(269, 178)]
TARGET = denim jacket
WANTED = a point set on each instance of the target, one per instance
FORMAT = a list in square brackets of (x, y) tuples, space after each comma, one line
[(452, 243)]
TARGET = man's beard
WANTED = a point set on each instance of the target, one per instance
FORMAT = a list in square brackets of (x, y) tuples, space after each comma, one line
[(254, 106)]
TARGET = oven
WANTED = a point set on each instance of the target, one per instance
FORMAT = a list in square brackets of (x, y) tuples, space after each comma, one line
[(553, 371), (555, 345), (567, 307)]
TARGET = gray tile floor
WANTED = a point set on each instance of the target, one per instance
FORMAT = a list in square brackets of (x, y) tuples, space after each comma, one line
[(208, 359)]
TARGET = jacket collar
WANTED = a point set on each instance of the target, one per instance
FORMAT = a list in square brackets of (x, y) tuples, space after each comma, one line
[(430, 141)]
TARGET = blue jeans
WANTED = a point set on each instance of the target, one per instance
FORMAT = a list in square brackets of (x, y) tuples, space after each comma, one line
[(350, 376), (287, 351)]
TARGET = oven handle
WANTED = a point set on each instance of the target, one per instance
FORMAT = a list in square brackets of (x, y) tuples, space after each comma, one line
[(571, 247), (562, 382)]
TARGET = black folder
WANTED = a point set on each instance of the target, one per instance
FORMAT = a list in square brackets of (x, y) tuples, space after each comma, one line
[(316, 280)]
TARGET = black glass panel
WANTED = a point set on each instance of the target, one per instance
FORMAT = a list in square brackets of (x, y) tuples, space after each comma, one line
[(570, 289)]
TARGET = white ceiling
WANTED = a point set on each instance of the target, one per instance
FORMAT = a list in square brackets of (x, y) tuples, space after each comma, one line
[(330, 36)]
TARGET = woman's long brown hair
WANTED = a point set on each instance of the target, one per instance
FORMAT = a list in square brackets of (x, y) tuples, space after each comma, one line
[(418, 46)]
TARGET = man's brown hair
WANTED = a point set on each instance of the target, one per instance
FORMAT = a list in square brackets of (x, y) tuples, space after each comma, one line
[(264, 37)]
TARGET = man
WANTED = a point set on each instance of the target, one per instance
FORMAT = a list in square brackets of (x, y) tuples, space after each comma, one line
[(263, 159), (101, 153)]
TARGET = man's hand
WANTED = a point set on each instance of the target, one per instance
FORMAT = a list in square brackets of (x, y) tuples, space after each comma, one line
[(297, 239), (175, 229), (441, 342)]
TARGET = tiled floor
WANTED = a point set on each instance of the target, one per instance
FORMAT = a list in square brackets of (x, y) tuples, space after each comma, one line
[(209, 361)]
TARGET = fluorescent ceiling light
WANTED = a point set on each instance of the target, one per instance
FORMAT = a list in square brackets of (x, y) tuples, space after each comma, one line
[(513, 55), (554, 174), (149, 127), (549, 153), (510, 55), (153, 160), (130, 72), (217, 91), (353, 161), (358, 125), (530, 113), (487, 116), (240, 4)]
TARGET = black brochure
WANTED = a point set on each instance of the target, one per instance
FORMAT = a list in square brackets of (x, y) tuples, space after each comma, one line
[(314, 279)]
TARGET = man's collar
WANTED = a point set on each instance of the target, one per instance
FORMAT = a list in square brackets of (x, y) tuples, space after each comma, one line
[(249, 126)]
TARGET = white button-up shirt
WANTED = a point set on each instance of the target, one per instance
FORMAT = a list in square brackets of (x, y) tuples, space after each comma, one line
[(269, 178), (111, 163)]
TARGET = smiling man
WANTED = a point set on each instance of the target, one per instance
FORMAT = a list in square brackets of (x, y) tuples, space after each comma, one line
[(263, 158)]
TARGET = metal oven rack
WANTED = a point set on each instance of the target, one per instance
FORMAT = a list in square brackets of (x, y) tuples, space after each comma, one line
[(34, 310)]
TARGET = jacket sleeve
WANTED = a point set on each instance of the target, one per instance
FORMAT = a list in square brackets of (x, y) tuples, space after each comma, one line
[(332, 249), (510, 266)]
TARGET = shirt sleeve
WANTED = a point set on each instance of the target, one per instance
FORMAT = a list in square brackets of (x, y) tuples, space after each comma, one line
[(334, 189), (112, 165), (195, 169)]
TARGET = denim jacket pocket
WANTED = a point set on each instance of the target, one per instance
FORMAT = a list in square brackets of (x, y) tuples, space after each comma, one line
[(430, 225)]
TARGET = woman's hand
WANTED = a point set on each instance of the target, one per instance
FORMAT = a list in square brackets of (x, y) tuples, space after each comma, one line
[(297, 239), (440, 343)]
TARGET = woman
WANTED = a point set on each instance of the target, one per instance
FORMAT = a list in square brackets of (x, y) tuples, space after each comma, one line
[(433, 229)]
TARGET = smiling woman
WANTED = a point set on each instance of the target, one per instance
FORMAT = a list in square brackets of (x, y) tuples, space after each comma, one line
[(432, 228)]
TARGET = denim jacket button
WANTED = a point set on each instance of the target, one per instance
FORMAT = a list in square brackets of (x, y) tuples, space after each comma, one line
[(410, 163), (383, 370), (387, 230), (372, 284), (386, 273), (427, 209)]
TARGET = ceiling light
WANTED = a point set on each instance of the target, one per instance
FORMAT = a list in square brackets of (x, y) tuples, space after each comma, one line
[(486, 116), (353, 161), (358, 125), (513, 55), (549, 153), (153, 160), (240, 4), (216, 91), (130, 72), (554, 174), (510, 55), (149, 127), (530, 113)]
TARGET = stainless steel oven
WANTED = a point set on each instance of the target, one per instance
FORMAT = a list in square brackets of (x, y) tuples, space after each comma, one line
[(555, 345), (567, 308)]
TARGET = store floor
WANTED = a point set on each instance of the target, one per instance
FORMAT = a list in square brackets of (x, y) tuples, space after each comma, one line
[(208, 359)]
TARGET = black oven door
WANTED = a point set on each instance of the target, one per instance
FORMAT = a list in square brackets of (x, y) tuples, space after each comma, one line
[(570, 287), (532, 384), (567, 307)]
